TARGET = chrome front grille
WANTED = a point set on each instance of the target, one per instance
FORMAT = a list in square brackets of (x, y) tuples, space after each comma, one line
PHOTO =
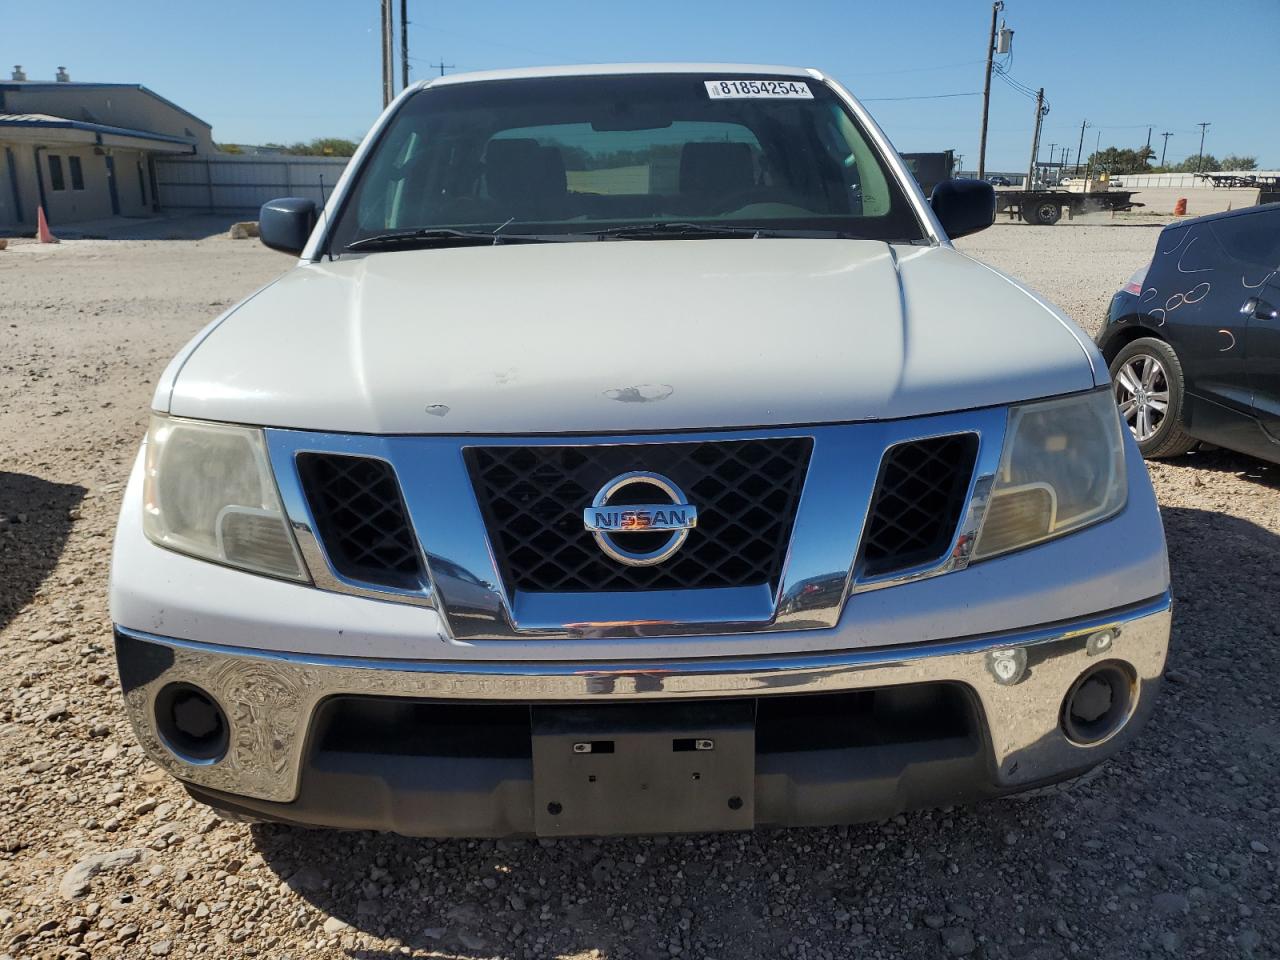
[(792, 523), (745, 491)]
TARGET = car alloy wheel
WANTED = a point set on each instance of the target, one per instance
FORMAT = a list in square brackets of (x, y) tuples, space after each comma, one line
[(1142, 393)]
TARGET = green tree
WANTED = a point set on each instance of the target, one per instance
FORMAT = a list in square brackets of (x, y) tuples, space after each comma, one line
[(322, 147), (1233, 162), (229, 147), (1193, 164), (1122, 160)]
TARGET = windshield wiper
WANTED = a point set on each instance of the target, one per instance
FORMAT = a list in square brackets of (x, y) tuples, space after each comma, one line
[(678, 230), (440, 237)]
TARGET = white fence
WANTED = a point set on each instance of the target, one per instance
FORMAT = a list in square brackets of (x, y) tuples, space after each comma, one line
[(226, 183), (1182, 181)]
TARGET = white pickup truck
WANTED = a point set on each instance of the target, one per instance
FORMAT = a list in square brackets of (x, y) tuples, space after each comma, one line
[(630, 451)]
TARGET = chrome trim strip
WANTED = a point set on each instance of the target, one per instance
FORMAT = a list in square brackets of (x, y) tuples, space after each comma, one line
[(578, 676), (269, 697), (818, 574)]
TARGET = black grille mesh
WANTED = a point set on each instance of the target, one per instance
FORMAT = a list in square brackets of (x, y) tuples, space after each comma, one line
[(919, 497), (361, 517), (746, 492)]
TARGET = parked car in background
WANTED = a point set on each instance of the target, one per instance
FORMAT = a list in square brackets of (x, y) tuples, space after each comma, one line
[(631, 451), (1193, 339), (999, 181)]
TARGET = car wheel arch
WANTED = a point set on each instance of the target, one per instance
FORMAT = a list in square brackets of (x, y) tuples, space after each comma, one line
[(1126, 334)]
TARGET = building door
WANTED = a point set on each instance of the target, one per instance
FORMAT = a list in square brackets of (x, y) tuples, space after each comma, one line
[(111, 186), (10, 195)]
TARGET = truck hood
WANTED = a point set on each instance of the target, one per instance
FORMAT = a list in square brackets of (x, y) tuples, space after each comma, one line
[(626, 336)]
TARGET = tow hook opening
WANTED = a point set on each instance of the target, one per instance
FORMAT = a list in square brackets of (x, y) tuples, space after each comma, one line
[(191, 723), (1099, 703)]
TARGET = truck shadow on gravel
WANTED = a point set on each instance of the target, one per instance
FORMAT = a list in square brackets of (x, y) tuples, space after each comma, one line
[(1165, 852), (36, 517)]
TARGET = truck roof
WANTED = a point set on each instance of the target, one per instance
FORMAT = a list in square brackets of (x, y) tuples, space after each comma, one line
[(616, 69)]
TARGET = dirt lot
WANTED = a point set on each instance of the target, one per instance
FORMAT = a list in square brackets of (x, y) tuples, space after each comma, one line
[(1173, 850)]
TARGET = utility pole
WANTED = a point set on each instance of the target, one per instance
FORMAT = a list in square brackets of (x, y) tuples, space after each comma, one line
[(1041, 110), (404, 44), (1200, 158), (1080, 148), (986, 90), (443, 66), (387, 74), (1165, 147)]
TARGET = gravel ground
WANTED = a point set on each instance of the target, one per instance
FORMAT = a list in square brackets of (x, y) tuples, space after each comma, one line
[(1172, 850)]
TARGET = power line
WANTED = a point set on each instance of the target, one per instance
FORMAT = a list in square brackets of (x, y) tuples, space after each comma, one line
[(885, 73), (1002, 72), (928, 96)]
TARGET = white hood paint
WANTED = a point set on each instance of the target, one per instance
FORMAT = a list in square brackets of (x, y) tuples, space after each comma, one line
[(627, 336)]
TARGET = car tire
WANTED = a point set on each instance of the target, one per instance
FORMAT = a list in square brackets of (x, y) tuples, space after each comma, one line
[(1144, 375)]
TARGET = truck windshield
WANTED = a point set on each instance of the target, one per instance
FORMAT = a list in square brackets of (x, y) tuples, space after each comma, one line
[(592, 157)]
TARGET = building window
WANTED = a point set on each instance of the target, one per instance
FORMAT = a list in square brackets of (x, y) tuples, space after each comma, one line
[(77, 174), (55, 173)]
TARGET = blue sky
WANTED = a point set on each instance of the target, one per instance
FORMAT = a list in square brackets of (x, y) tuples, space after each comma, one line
[(284, 71)]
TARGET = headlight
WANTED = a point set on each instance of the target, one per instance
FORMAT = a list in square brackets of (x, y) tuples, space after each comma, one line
[(209, 492), (1062, 469)]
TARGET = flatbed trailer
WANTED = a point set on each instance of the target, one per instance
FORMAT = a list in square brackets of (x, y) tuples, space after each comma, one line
[(1045, 207)]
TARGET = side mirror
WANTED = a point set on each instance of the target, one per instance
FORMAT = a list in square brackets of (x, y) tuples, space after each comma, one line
[(286, 224), (962, 206)]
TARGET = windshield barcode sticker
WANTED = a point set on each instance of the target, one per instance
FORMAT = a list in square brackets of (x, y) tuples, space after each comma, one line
[(738, 89)]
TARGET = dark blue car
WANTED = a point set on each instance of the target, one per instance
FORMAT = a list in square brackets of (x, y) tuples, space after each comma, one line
[(1193, 339)]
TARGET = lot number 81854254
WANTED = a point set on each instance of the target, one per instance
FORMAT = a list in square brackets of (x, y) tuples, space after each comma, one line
[(731, 89)]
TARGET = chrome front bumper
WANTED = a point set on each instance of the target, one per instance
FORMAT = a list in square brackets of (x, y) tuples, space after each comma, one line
[(1019, 679)]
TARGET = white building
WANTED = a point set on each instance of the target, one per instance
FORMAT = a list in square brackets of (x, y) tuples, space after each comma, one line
[(86, 151)]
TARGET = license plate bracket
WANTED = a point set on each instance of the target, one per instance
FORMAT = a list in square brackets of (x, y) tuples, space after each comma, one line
[(643, 769)]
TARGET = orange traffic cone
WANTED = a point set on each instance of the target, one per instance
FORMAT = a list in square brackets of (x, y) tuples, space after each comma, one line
[(42, 228)]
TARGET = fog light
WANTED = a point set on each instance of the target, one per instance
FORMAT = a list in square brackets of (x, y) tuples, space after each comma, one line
[(1099, 703), (191, 723)]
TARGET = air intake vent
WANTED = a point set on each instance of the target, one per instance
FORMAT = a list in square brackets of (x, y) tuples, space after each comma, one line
[(919, 498), (361, 519), (746, 493)]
